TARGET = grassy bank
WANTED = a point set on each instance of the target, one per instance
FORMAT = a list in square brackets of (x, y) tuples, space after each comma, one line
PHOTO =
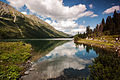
[(12, 56), (103, 42)]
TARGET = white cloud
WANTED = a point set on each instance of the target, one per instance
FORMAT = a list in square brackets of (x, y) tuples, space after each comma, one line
[(91, 6), (65, 24), (24, 13), (111, 10), (55, 62), (55, 67), (16, 3), (62, 57), (81, 29), (87, 13), (94, 15), (50, 8), (48, 21), (68, 49), (54, 9), (69, 26)]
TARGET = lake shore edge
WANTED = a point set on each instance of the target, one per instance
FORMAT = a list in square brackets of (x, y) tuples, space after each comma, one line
[(114, 47)]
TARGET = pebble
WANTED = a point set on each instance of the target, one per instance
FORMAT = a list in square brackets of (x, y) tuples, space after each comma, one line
[(27, 72), (1, 61), (31, 69), (32, 63)]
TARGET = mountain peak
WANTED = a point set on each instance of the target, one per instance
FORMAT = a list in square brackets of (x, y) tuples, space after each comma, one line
[(14, 24), (6, 9)]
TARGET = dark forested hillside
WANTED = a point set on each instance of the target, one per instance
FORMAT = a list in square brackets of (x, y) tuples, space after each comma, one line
[(112, 25), (109, 27), (14, 24)]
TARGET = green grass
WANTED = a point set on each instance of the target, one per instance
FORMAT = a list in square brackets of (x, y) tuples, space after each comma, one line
[(108, 42), (12, 55)]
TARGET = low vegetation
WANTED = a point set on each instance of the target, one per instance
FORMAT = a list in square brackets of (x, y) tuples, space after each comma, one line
[(105, 66), (109, 42), (106, 34), (12, 56)]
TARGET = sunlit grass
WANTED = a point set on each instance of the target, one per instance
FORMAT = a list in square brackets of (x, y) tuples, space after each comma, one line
[(12, 55), (104, 41)]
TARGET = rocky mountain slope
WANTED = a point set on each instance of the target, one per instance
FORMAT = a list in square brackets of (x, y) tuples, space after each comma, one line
[(14, 24)]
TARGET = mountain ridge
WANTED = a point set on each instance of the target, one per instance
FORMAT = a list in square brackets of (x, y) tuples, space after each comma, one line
[(14, 24)]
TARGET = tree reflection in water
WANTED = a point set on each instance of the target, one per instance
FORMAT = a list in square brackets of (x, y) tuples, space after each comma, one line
[(70, 62), (73, 74), (106, 66)]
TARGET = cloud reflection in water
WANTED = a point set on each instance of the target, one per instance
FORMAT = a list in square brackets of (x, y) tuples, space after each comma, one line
[(62, 57)]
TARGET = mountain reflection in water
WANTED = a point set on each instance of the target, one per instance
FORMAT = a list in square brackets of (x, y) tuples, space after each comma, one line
[(63, 61)]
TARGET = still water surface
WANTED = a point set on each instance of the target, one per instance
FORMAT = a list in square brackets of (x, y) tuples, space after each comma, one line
[(61, 58)]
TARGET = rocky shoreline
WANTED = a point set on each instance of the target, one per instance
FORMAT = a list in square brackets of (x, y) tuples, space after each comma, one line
[(28, 67)]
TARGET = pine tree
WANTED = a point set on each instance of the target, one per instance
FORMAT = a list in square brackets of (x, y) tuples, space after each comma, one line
[(110, 25), (88, 31), (116, 20), (102, 25)]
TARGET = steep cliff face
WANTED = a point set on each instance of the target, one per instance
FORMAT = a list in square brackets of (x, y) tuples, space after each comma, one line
[(14, 24)]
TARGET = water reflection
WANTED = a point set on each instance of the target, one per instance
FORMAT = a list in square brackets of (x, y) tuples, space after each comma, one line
[(106, 66), (73, 74), (41, 47), (64, 60), (70, 49)]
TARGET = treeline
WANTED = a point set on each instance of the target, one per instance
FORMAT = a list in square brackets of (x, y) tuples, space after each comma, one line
[(109, 27)]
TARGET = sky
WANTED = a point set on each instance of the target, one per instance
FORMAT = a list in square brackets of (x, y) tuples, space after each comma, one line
[(69, 16)]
